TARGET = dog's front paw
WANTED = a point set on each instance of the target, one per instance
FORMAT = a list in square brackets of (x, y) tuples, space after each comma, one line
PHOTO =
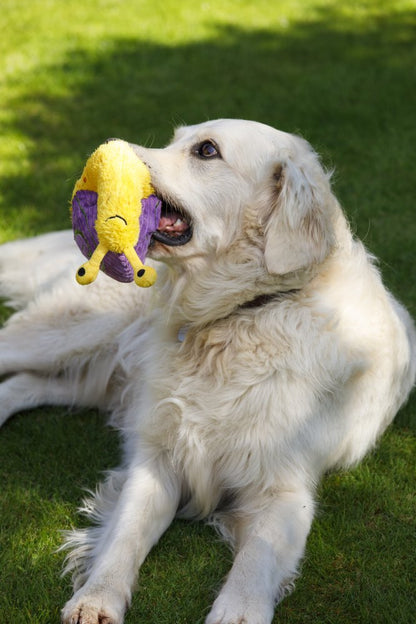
[(234, 610), (91, 609)]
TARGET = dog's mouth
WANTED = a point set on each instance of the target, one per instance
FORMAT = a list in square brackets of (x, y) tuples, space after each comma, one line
[(175, 227)]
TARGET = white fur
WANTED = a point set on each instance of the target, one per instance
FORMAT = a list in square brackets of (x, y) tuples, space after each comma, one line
[(238, 422)]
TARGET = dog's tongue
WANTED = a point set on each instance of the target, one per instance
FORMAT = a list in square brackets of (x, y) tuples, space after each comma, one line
[(173, 224)]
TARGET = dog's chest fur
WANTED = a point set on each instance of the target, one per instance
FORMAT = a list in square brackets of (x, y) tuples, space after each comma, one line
[(224, 414)]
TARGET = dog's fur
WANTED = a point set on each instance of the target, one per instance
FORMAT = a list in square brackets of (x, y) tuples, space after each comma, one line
[(269, 352)]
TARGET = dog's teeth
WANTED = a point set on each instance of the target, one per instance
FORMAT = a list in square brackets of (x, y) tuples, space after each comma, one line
[(178, 222)]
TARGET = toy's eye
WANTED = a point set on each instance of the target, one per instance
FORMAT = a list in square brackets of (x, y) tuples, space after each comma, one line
[(207, 149)]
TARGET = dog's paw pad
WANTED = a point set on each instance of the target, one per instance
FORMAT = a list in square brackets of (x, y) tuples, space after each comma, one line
[(87, 615), (236, 612)]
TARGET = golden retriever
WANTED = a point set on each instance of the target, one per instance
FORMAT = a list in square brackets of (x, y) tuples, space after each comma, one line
[(268, 353)]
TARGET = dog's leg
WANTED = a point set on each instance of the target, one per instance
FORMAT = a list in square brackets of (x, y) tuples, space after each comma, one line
[(32, 265), (27, 390), (61, 327), (270, 547), (50, 346), (44, 349), (144, 509)]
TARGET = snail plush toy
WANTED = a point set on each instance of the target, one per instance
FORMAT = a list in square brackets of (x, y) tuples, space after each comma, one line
[(114, 214)]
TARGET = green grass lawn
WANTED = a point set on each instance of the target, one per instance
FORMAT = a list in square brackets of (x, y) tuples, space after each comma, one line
[(342, 74)]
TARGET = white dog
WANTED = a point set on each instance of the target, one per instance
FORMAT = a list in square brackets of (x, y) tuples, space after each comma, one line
[(270, 353)]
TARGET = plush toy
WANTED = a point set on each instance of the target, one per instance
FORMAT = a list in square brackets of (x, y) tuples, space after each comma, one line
[(114, 213)]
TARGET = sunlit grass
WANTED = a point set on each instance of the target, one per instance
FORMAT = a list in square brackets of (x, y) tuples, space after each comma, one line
[(342, 74)]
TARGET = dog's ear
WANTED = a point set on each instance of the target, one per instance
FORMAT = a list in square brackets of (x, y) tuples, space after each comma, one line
[(298, 232)]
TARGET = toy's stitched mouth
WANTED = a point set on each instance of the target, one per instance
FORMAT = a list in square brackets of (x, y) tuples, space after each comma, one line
[(175, 226), (117, 216)]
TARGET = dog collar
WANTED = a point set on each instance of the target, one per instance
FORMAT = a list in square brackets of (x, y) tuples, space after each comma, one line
[(257, 302), (262, 300)]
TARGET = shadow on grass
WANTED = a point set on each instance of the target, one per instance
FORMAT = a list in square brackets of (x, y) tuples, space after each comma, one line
[(348, 86)]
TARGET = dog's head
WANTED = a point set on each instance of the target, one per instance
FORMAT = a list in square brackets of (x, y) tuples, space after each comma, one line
[(243, 191)]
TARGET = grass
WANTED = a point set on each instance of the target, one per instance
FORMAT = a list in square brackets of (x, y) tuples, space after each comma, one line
[(343, 74)]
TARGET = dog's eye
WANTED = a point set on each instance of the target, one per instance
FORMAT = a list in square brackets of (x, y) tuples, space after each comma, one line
[(207, 149)]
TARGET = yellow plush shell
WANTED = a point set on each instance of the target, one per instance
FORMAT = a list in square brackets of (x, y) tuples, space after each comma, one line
[(121, 180)]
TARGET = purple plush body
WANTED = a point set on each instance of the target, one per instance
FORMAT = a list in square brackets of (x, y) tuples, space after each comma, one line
[(84, 216)]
